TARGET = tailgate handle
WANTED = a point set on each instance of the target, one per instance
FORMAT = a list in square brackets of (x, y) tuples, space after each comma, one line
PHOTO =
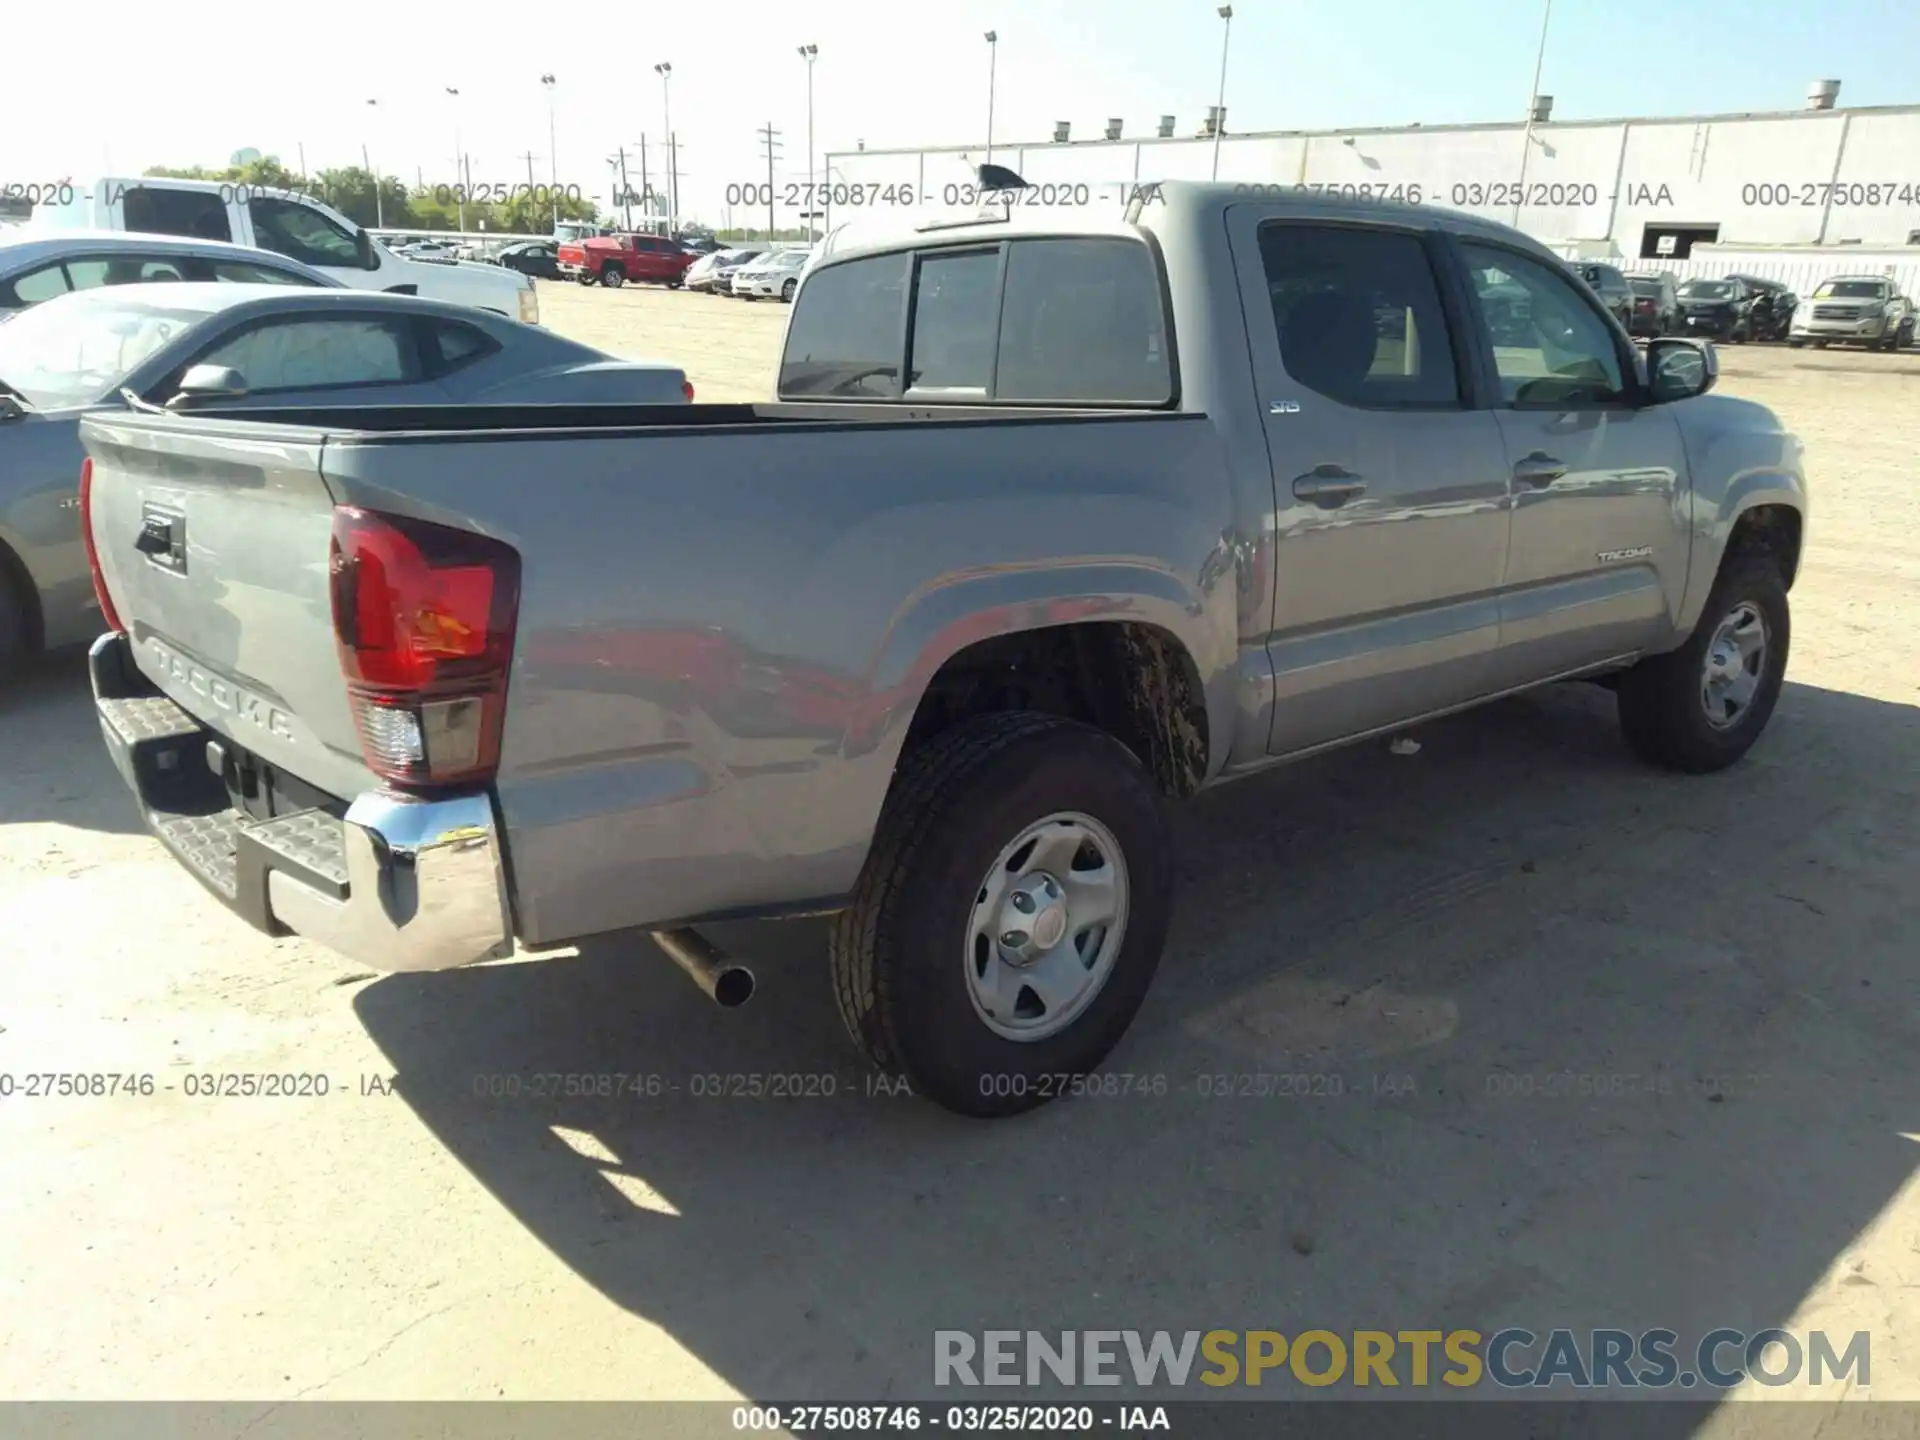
[(156, 538)]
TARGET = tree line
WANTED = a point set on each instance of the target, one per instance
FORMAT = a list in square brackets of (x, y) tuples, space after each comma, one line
[(387, 202)]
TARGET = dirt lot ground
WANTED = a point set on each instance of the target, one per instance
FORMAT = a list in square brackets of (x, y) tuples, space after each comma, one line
[(1447, 934)]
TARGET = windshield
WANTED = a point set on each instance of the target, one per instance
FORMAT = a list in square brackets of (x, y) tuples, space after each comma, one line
[(1851, 290), (1646, 287), (1707, 290), (62, 354)]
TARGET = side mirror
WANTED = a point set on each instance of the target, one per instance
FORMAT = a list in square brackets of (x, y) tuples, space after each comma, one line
[(1681, 369), (369, 253), (207, 383)]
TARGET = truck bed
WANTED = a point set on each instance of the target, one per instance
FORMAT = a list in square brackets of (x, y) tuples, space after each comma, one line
[(726, 613)]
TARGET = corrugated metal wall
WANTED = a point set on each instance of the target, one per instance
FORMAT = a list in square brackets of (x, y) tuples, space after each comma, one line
[(1799, 178)]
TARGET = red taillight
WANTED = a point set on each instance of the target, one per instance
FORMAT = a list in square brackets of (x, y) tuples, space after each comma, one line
[(686, 389), (107, 612), (424, 616)]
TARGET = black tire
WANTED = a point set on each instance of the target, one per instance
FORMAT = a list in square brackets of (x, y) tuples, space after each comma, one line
[(1662, 712), (612, 277), (899, 951), (1796, 344)]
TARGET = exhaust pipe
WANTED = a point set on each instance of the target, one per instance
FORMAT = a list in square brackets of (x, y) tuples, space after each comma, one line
[(727, 984)]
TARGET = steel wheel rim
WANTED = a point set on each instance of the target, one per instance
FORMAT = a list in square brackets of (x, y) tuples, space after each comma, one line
[(1735, 663), (1046, 926)]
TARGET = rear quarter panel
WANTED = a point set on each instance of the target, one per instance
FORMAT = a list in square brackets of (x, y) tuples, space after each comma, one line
[(723, 635)]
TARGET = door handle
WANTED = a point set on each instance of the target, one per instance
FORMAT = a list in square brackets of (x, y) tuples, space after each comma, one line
[(1328, 486), (1539, 470)]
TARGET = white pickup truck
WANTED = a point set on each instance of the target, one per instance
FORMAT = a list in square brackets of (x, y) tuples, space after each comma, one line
[(285, 221)]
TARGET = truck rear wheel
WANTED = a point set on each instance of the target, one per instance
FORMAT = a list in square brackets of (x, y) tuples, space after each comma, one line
[(1011, 913), (1701, 707)]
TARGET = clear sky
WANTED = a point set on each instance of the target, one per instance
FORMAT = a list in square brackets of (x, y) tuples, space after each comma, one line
[(136, 86)]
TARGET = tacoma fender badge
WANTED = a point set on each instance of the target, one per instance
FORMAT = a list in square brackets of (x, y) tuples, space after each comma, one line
[(1636, 552)]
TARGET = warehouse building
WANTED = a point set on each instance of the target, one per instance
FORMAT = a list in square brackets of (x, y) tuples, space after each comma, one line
[(1626, 190)]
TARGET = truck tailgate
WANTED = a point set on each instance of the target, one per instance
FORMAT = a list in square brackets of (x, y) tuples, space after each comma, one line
[(215, 547)]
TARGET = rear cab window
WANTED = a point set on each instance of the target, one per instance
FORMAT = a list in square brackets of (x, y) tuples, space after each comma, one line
[(1035, 320), (161, 210)]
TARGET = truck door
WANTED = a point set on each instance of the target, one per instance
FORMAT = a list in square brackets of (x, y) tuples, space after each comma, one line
[(1599, 545), (1389, 533)]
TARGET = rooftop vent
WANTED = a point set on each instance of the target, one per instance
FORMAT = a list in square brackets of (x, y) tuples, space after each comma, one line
[(1166, 127), (1822, 93), (1113, 129), (1061, 128), (1542, 109)]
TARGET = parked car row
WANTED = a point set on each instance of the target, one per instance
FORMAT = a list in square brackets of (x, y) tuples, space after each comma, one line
[(99, 323), (288, 223), (1848, 309)]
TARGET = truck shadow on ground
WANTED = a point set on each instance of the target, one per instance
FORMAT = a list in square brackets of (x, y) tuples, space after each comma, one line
[(1550, 1040), (56, 768)]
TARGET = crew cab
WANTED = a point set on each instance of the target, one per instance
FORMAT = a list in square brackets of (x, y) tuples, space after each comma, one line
[(288, 222), (1054, 521), (613, 260)]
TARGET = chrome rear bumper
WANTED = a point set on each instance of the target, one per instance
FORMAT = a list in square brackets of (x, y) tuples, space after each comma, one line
[(395, 882)]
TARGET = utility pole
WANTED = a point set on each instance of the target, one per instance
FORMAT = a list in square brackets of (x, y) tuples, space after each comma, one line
[(528, 156), (646, 189), (809, 53), (673, 161), (626, 205), (553, 154), (665, 71), (770, 138), (1220, 110), (459, 186), (1533, 106), (993, 56), (379, 203)]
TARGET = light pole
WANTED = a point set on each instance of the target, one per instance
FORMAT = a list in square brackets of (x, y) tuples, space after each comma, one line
[(547, 82), (1220, 110), (665, 71), (379, 206), (459, 188), (808, 54), (1526, 138), (993, 54)]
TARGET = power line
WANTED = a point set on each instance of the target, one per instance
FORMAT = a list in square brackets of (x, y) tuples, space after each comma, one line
[(770, 139)]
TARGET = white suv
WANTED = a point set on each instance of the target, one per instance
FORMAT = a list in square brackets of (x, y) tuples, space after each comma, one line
[(1856, 310)]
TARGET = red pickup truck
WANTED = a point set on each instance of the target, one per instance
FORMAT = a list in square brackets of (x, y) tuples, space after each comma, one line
[(615, 259)]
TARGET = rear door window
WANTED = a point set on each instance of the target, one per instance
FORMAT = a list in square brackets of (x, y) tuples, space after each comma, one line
[(157, 210), (1358, 315)]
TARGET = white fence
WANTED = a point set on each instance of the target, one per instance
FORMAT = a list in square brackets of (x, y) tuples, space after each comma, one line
[(1799, 272)]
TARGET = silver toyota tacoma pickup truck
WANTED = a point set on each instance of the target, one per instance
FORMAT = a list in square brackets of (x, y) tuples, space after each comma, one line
[(1051, 523)]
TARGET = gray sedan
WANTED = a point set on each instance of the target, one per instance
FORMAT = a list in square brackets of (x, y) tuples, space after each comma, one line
[(282, 346), (41, 265)]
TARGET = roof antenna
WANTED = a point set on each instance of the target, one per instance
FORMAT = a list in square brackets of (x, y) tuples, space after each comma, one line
[(998, 178)]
